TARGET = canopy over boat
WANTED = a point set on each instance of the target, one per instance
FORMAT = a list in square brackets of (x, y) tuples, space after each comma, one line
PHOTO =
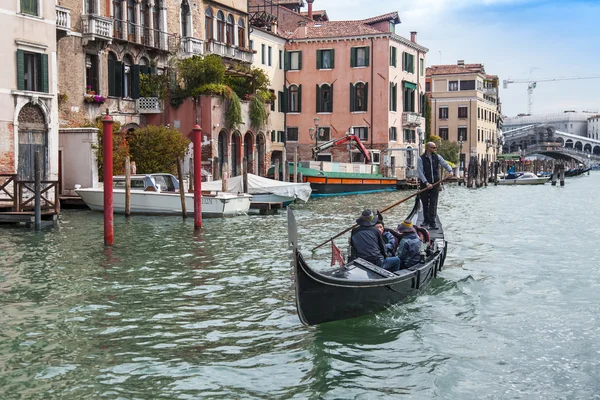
[(259, 185)]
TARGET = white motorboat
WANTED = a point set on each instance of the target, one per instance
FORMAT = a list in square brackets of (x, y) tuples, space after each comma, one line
[(263, 190), (157, 194), (523, 178)]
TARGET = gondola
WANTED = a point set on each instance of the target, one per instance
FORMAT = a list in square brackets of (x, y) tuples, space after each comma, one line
[(359, 287)]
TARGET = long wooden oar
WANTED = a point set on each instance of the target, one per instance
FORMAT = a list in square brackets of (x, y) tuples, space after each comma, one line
[(382, 211)]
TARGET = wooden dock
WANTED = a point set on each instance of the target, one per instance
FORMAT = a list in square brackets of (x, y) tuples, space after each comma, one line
[(267, 208), (17, 203)]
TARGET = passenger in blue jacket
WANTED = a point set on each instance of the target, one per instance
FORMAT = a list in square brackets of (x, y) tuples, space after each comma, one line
[(389, 240), (409, 246), (367, 243)]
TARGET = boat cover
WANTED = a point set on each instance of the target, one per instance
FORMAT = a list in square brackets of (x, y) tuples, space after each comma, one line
[(259, 185)]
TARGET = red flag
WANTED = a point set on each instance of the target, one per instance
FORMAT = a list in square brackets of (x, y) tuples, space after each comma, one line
[(336, 255)]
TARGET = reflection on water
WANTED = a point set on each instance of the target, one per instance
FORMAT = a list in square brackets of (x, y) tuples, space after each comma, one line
[(173, 314)]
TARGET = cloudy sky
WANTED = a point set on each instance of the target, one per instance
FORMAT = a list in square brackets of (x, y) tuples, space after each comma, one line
[(518, 39)]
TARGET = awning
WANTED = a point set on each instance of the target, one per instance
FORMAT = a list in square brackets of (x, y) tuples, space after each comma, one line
[(410, 85)]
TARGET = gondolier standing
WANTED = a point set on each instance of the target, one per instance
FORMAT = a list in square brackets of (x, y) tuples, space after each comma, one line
[(428, 170)]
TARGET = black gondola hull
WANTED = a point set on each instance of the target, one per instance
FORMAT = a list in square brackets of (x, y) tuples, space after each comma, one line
[(322, 298)]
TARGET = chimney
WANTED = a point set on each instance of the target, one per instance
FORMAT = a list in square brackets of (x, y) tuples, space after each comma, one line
[(461, 63), (310, 14), (413, 37)]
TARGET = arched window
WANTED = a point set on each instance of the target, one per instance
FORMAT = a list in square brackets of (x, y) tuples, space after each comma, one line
[(185, 19), (208, 24), (220, 27), (294, 98), (229, 33), (325, 98), (358, 97), (118, 15), (127, 81), (131, 20), (241, 34)]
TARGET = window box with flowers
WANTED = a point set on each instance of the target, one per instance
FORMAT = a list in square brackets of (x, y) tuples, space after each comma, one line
[(90, 96)]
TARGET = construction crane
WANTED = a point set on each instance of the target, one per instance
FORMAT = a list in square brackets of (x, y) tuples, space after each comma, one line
[(532, 84)]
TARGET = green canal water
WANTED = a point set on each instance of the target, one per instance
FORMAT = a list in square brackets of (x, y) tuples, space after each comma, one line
[(166, 314)]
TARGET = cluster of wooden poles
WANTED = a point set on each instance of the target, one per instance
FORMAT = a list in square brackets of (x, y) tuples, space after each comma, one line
[(483, 172)]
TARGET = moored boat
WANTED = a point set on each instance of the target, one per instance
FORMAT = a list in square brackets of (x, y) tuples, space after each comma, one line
[(263, 190), (157, 194), (359, 287), (523, 178)]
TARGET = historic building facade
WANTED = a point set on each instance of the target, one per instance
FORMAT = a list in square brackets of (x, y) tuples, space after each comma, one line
[(465, 108), (28, 102)]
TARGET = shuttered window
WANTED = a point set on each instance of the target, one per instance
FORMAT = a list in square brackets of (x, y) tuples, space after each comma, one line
[(325, 59), (293, 61), (393, 56), (359, 96), (32, 71), (359, 57), (325, 98), (408, 62)]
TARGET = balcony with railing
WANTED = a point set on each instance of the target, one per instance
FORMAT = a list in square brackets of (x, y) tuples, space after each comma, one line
[(96, 27), (227, 51), (63, 19), (192, 46), (412, 119), (490, 91)]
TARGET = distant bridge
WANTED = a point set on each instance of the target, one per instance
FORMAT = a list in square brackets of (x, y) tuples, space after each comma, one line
[(546, 140)]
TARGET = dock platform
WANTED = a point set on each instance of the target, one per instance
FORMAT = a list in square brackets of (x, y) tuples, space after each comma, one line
[(267, 208)]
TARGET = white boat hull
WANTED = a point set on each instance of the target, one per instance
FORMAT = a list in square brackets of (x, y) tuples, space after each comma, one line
[(153, 203), (524, 181)]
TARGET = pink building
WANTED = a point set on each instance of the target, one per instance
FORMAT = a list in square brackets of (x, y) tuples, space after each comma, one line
[(354, 76)]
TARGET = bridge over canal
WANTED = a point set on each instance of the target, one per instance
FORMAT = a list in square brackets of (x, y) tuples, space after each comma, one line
[(546, 140)]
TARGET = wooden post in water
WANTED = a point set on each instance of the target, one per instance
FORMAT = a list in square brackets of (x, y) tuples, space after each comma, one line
[(127, 187), (295, 164), (496, 165), (215, 168), (181, 187), (245, 163), (276, 170), (197, 140), (224, 176), (554, 175), (562, 175), (191, 184), (37, 166), (285, 166), (486, 173), (107, 149)]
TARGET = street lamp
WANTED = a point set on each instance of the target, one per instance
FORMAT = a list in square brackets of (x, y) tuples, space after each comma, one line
[(314, 134)]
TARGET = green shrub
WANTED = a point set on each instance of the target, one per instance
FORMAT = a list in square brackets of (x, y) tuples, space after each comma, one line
[(233, 115), (155, 149), (258, 112)]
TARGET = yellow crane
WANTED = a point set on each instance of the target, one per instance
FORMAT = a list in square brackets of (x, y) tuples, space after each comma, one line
[(532, 84)]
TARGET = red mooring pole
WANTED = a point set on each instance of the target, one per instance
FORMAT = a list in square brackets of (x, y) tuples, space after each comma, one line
[(107, 147), (197, 176)]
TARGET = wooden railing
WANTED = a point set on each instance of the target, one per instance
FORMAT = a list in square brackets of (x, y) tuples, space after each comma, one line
[(28, 187), (4, 187)]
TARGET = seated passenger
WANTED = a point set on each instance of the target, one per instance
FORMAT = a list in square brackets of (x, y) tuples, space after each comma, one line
[(367, 243), (389, 240), (409, 247)]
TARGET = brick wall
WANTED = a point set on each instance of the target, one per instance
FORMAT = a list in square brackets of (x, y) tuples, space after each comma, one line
[(7, 148)]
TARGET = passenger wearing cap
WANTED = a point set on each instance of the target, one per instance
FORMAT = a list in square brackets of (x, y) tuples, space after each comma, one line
[(367, 243), (409, 246)]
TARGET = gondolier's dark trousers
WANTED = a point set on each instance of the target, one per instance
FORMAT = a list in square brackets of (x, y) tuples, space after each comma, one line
[(429, 198)]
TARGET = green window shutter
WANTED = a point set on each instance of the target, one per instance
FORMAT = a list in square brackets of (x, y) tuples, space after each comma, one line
[(280, 101), (118, 79), (366, 97), (284, 105), (20, 70), (403, 61), (299, 60), (111, 77), (352, 94), (44, 74), (318, 59), (318, 96), (353, 57), (299, 98), (286, 61), (332, 59), (367, 56), (135, 81), (391, 93), (395, 57), (331, 110), (412, 64), (396, 97)]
